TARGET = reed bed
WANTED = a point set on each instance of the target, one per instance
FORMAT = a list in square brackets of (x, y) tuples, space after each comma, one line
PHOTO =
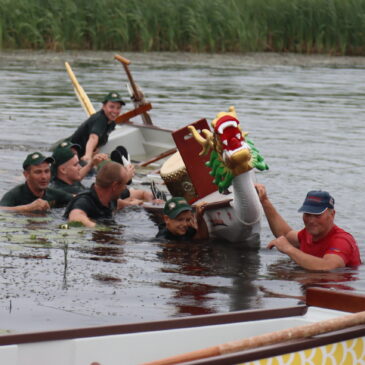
[(303, 26)]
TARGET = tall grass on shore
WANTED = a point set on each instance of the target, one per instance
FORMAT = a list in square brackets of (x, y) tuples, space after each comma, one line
[(305, 26)]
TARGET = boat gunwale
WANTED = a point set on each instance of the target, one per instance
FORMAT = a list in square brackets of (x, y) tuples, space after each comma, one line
[(139, 125), (169, 324)]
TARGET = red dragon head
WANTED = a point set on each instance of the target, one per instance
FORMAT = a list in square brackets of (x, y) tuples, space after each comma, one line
[(229, 141)]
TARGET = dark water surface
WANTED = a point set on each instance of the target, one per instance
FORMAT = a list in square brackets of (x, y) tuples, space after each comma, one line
[(305, 114)]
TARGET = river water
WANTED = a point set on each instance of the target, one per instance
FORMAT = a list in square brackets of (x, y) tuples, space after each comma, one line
[(304, 113)]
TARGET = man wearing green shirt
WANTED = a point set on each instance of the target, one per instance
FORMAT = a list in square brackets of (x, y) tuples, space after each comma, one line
[(66, 169), (100, 202), (94, 132), (34, 194), (68, 173)]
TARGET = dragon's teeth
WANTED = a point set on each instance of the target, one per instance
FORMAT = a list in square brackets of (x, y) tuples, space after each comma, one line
[(228, 123)]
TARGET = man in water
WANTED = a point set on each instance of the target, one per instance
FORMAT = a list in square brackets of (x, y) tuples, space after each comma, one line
[(94, 132), (68, 174), (180, 222), (34, 194), (101, 200), (67, 171), (320, 245)]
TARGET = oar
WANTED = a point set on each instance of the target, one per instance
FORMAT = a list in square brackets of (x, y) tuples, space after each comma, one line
[(79, 91), (132, 113), (138, 98), (289, 334)]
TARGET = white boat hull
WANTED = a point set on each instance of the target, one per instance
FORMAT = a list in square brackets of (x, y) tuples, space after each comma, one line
[(135, 343), (141, 141), (144, 346)]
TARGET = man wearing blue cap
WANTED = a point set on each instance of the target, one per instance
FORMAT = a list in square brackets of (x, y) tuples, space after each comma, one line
[(320, 245)]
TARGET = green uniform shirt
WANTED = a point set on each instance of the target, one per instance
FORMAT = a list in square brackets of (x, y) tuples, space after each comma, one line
[(98, 124), (22, 195), (89, 202), (74, 188)]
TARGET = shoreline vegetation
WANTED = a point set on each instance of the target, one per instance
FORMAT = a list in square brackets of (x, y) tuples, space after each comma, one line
[(332, 27)]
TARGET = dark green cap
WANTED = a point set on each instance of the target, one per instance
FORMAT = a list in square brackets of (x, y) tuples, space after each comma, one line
[(175, 206), (113, 96), (36, 158), (63, 152)]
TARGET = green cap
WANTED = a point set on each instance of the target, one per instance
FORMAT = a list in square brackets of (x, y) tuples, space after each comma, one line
[(63, 152), (113, 96), (36, 158), (174, 206)]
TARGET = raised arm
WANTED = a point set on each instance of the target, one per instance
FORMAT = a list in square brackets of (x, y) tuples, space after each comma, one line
[(200, 224), (279, 227), (96, 159), (90, 147)]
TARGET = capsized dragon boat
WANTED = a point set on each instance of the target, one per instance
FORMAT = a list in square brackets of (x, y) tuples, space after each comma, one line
[(328, 329), (233, 215)]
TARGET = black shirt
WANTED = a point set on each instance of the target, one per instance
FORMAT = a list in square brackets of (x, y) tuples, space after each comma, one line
[(22, 195), (74, 188), (98, 124), (89, 202), (163, 232)]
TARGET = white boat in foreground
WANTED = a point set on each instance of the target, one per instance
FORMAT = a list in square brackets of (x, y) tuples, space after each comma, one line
[(131, 344)]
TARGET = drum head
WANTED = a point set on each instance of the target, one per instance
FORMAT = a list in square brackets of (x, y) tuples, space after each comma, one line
[(176, 178)]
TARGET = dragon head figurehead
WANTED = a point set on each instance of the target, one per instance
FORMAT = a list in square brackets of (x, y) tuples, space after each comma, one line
[(232, 153), (230, 143)]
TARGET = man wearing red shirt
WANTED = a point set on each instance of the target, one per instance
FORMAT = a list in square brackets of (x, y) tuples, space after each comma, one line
[(321, 245)]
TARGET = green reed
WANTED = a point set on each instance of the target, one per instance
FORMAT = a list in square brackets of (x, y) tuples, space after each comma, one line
[(305, 26)]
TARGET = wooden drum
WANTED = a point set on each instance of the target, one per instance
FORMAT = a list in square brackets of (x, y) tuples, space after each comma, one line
[(176, 178)]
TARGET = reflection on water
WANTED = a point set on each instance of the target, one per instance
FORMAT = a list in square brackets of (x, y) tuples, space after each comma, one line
[(201, 272), (305, 114)]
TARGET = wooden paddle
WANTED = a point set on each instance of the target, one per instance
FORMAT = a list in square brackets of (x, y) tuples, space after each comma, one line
[(133, 113), (289, 334), (137, 96), (79, 91), (88, 107)]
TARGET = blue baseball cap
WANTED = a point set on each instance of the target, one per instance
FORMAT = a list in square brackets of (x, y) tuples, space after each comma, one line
[(316, 202)]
